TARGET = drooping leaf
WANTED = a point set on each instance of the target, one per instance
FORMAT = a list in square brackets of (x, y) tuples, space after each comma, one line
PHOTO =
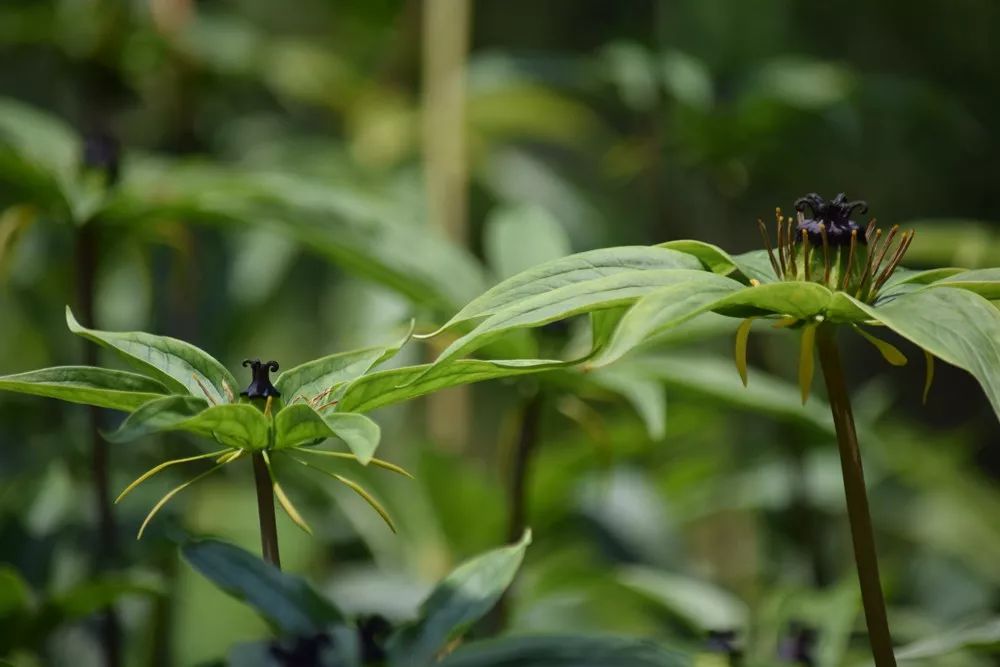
[(395, 385), (283, 499), (889, 351), (459, 600), (313, 378), (673, 305), (740, 348), (579, 297), (566, 651), (234, 425), (174, 491), (118, 390), (166, 464), (179, 365), (299, 424), (712, 257), (286, 601), (575, 270), (955, 325)]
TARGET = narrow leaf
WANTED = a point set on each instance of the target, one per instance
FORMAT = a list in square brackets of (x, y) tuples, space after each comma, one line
[(105, 388), (286, 601), (166, 464), (984, 282), (458, 601), (929, 375), (742, 334), (889, 351), (283, 499), (173, 492), (378, 463), (807, 360), (180, 365), (368, 498)]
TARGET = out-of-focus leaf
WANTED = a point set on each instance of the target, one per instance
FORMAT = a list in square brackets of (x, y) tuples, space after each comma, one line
[(234, 425), (94, 594), (15, 595), (300, 424), (687, 79), (395, 385), (105, 388), (337, 647), (701, 605), (566, 651), (806, 84), (179, 365), (286, 601), (982, 636), (520, 237), (647, 396), (459, 600), (954, 242)]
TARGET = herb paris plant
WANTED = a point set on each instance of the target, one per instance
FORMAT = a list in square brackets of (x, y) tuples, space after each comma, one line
[(825, 271)]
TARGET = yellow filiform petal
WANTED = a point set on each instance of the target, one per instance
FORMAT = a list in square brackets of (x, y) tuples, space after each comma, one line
[(889, 351), (742, 335)]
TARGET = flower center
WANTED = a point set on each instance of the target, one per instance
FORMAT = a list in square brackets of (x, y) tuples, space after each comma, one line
[(831, 249)]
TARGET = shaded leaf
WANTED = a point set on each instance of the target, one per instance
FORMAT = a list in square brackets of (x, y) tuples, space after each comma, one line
[(518, 238), (459, 600), (286, 601), (566, 651), (701, 605), (105, 388)]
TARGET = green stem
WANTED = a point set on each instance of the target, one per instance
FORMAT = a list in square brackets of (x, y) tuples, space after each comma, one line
[(857, 500), (265, 510)]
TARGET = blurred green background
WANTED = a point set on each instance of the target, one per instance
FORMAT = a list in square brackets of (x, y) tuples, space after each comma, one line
[(414, 153)]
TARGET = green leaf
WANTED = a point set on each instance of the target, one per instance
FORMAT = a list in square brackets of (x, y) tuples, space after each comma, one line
[(102, 387), (983, 635), (234, 425), (566, 651), (395, 385), (984, 282), (712, 257), (573, 299), (315, 377), (582, 269), (15, 594), (92, 595), (956, 326), (179, 365), (676, 304), (701, 605), (286, 601), (518, 238), (757, 265), (299, 424), (647, 396), (459, 600)]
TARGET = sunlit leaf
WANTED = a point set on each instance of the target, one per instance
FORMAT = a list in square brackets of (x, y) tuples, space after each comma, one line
[(285, 600), (118, 390), (180, 365), (459, 600)]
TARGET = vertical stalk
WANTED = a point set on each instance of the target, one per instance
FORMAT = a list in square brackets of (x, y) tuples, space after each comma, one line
[(86, 250), (265, 510), (857, 500), (527, 442)]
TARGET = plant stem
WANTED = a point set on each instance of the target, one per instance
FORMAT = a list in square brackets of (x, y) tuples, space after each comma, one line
[(527, 441), (86, 259), (857, 500), (265, 510)]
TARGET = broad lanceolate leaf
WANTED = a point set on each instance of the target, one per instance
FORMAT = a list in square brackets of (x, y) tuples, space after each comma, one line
[(580, 297), (459, 600), (234, 424), (566, 651), (985, 282), (395, 385), (670, 306), (955, 325), (284, 600), (315, 377), (299, 424), (580, 269), (102, 387), (180, 365)]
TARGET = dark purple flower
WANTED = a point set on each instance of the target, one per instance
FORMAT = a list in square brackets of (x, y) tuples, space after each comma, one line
[(260, 385), (833, 215)]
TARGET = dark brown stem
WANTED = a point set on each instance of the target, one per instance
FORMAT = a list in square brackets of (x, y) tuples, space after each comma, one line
[(857, 500), (107, 531), (265, 510), (520, 470)]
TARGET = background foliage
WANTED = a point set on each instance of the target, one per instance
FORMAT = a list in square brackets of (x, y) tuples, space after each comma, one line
[(273, 203)]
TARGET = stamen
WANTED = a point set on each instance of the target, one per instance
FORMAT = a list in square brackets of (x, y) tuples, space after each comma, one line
[(792, 249), (868, 230), (203, 390), (331, 403), (826, 254), (904, 244), (805, 253), (319, 397), (781, 249), (850, 259), (882, 250), (872, 245)]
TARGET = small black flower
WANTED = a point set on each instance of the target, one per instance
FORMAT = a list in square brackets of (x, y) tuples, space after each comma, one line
[(260, 385), (834, 215), (102, 152)]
